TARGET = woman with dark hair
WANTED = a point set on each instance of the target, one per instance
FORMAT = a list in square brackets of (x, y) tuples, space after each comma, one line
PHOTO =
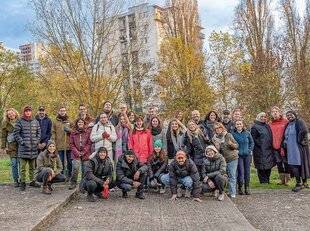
[(122, 132), (157, 166), (195, 144), (211, 118), (80, 146), (175, 138), (132, 118), (141, 141), (158, 133), (263, 152), (297, 146)]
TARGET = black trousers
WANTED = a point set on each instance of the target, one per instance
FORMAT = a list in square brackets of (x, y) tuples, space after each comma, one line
[(219, 182), (125, 187), (44, 175), (296, 170), (282, 165), (92, 187), (264, 175)]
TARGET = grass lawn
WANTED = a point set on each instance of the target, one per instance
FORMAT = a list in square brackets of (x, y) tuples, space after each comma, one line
[(5, 176)]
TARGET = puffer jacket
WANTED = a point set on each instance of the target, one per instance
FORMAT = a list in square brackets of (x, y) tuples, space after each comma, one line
[(7, 138), (229, 151), (27, 133), (98, 170), (45, 161), (188, 169), (125, 171), (157, 167), (195, 147), (80, 144), (96, 136), (213, 167), (141, 142), (245, 142)]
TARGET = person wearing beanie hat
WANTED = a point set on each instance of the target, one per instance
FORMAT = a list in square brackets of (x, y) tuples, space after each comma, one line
[(130, 173), (227, 120), (27, 134), (214, 172), (297, 146), (157, 165), (98, 175), (49, 168), (183, 170)]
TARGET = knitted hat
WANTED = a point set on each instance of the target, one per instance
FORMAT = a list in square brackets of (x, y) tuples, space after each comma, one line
[(212, 147), (50, 142), (158, 144), (226, 112), (129, 153), (27, 108)]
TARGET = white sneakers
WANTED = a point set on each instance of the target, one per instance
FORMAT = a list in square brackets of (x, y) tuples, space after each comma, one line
[(219, 196)]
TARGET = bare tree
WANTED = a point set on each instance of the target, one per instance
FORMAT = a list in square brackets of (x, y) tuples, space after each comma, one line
[(80, 41), (258, 83), (297, 44)]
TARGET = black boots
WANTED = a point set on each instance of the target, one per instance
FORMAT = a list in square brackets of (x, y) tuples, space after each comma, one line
[(247, 189), (125, 194), (34, 184), (240, 190), (90, 197), (22, 186)]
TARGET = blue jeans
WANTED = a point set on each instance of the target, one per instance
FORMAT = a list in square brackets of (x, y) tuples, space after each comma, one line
[(232, 175), (66, 168), (187, 181), (76, 165), (15, 168), (244, 169)]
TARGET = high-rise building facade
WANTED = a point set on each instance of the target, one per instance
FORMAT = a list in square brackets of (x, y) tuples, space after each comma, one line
[(30, 55)]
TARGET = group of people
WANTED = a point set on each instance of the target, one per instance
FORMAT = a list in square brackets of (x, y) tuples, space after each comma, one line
[(129, 151)]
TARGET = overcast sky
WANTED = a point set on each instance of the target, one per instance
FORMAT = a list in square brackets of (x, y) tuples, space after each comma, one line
[(16, 16)]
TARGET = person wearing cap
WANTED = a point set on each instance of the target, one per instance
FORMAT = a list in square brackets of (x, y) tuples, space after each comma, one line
[(263, 155), (157, 165), (61, 130), (27, 133), (214, 172), (97, 174), (227, 121), (182, 170), (297, 146), (46, 127), (130, 173), (49, 168)]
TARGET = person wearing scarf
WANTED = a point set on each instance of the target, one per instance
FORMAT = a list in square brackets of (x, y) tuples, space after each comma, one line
[(195, 144), (208, 124), (228, 147), (158, 133), (122, 132), (80, 146), (49, 168), (8, 142), (141, 141), (263, 155), (61, 130), (107, 109), (27, 133), (297, 146), (278, 124), (175, 138)]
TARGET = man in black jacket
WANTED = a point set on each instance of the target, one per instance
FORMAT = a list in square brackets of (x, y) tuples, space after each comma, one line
[(183, 171), (98, 174), (46, 128), (130, 174)]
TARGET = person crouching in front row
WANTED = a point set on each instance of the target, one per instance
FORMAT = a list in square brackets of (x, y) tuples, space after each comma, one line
[(49, 168), (214, 172), (183, 171), (98, 172), (130, 173)]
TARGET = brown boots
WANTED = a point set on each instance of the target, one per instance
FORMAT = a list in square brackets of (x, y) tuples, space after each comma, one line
[(46, 190), (284, 179)]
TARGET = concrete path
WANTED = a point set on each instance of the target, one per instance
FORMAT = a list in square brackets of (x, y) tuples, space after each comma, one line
[(29, 210), (156, 212)]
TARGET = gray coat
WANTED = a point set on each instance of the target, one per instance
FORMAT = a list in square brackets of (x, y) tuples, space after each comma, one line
[(27, 133)]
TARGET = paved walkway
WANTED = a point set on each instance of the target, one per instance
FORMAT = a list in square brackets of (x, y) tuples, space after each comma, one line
[(277, 209), (28, 210), (156, 212)]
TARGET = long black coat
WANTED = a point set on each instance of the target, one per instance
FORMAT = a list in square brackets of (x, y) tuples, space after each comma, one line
[(188, 169), (263, 155), (27, 133), (125, 172)]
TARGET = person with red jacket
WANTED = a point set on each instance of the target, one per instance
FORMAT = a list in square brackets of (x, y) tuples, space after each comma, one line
[(140, 141), (80, 146), (278, 125)]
